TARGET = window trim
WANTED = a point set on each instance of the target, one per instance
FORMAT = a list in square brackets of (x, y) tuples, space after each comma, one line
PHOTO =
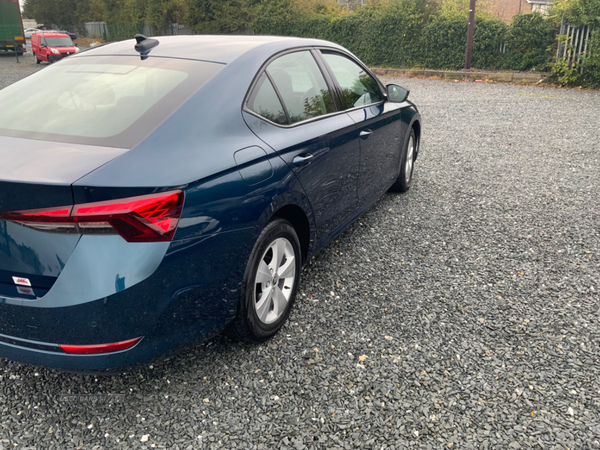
[(254, 93), (332, 88)]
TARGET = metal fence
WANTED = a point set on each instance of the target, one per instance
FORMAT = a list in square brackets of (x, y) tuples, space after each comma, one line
[(111, 32), (573, 44)]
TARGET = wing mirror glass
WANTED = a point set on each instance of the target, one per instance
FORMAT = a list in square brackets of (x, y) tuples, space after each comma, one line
[(396, 94)]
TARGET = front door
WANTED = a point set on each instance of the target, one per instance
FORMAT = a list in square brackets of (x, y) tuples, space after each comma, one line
[(378, 122), (303, 126)]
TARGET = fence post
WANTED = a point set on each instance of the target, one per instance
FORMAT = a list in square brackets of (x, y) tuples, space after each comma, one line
[(587, 37), (104, 28), (559, 50)]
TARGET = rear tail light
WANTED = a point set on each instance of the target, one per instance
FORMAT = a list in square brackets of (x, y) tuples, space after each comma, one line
[(99, 348), (148, 218)]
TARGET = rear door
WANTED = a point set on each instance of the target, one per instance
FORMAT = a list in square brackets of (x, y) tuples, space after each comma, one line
[(292, 109), (378, 124)]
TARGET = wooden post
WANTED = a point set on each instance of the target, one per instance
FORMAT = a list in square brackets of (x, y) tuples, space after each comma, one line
[(470, 30)]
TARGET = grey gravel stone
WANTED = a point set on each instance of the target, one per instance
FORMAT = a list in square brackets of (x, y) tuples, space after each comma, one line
[(461, 315)]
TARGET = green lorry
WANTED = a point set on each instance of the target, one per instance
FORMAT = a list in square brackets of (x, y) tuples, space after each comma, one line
[(11, 27)]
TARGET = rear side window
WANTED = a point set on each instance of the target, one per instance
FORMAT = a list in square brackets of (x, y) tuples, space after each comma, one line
[(105, 100), (265, 103), (358, 87), (301, 86)]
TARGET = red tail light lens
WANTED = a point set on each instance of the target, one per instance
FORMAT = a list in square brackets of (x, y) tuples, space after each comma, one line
[(149, 218), (100, 348)]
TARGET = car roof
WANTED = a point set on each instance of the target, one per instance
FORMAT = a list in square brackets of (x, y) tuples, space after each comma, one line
[(52, 33), (221, 49)]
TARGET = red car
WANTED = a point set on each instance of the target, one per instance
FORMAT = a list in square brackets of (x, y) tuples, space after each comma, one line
[(51, 46)]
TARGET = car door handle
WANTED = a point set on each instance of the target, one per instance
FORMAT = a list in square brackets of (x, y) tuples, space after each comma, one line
[(364, 134), (302, 160)]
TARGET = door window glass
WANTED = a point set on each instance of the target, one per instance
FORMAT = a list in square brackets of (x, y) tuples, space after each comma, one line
[(265, 103), (301, 86), (358, 87)]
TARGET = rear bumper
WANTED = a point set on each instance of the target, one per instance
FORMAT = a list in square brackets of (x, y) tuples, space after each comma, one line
[(184, 296), (50, 355)]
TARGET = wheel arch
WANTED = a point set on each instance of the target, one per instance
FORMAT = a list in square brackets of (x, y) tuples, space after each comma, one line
[(295, 208), (299, 220), (416, 125)]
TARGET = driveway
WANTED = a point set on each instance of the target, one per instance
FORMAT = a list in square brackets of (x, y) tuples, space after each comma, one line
[(463, 314)]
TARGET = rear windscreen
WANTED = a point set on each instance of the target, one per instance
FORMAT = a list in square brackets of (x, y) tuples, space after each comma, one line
[(113, 101)]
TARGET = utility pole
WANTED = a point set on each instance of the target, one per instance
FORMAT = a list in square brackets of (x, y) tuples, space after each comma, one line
[(470, 34)]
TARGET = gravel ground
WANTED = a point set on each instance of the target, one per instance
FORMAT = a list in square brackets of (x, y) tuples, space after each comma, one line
[(463, 314), (11, 71)]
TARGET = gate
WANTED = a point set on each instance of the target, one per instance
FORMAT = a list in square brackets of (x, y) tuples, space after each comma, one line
[(572, 47)]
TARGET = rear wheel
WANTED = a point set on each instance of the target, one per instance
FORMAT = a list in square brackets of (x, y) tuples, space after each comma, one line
[(270, 283), (37, 61), (407, 160)]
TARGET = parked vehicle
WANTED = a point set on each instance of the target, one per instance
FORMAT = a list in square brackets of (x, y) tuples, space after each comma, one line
[(72, 35), (11, 27), (51, 46), (29, 31), (171, 188)]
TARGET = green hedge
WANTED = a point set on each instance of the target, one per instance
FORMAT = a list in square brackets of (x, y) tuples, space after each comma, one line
[(531, 42), (403, 37), (591, 66)]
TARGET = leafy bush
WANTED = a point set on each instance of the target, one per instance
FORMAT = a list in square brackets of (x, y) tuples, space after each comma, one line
[(530, 42), (577, 13), (591, 65), (401, 34), (445, 39)]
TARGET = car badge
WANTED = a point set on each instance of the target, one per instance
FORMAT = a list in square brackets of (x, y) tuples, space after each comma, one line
[(21, 281), (25, 291)]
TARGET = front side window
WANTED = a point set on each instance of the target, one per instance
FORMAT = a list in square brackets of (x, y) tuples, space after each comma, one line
[(358, 87), (301, 86)]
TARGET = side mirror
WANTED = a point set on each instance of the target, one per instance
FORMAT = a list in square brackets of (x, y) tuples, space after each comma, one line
[(43, 45), (396, 94)]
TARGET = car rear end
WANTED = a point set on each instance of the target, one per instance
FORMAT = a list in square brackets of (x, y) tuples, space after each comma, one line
[(77, 261)]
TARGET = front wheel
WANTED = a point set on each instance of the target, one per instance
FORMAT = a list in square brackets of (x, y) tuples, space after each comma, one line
[(407, 164), (270, 283)]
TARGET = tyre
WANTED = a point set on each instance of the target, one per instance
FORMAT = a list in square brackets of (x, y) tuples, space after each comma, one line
[(50, 59), (270, 283), (37, 61), (407, 160)]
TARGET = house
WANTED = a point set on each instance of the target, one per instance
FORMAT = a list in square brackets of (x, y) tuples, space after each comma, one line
[(506, 9)]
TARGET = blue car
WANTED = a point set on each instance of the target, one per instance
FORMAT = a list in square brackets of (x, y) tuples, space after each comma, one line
[(158, 190)]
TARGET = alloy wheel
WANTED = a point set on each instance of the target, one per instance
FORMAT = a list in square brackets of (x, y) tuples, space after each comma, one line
[(410, 158), (274, 281)]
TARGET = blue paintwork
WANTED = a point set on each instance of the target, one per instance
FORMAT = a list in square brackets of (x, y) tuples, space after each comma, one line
[(253, 165), (55, 163), (236, 170)]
